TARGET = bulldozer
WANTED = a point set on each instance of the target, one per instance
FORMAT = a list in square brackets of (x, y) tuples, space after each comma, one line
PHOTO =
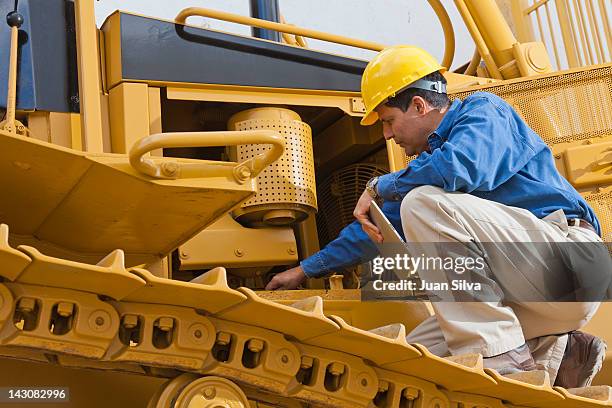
[(157, 174)]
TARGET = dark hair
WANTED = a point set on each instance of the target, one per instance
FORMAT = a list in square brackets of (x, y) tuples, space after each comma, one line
[(438, 100)]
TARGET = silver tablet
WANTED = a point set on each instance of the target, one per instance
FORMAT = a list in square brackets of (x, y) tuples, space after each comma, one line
[(390, 235)]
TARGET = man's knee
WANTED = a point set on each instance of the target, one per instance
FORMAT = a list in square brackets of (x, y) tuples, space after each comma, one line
[(419, 198)]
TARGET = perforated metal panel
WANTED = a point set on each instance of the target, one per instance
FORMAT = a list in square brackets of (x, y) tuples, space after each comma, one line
[(286, 189), (563, 107)]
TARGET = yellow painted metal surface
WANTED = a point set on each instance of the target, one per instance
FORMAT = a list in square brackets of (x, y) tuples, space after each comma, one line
[(589, 165), (317, 359), (78, 201), (224, 345), (89, 76), (227, 243), (129, 115)]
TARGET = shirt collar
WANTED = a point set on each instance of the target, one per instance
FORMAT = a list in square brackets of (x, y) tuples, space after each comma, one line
[(439, 135)]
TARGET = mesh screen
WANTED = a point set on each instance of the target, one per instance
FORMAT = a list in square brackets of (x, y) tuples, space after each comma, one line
[(338, 195), (563, 107)]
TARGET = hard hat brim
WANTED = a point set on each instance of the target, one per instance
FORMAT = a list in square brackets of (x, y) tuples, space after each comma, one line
[(369, 119)]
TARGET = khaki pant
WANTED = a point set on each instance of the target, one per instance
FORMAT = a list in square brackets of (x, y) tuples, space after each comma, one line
[(429, 214)]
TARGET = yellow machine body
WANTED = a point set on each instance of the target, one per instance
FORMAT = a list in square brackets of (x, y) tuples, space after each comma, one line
[(136, 236)]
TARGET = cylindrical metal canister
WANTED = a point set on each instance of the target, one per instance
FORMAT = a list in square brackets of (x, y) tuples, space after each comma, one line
[(286, 189)]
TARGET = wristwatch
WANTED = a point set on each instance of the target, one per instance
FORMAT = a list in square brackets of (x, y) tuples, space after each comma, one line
[(371, 188)]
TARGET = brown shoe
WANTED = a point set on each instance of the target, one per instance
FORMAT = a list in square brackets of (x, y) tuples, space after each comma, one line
[(583, 358), (513, 361)]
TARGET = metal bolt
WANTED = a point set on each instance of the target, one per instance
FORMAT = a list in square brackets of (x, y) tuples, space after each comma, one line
[(65, 309), (306, 362), (410, 393), (364, 382), (255, 345), (197, 334), (223, 339), (209, 393), (169, 168), (165, 323), (383, 386), (285, 359), (99, 321), (183, 255), (336, 369), (243, 173), (130, 321), (26, 305), (557, 156), (291, 251), (238, 252), (588, 142)]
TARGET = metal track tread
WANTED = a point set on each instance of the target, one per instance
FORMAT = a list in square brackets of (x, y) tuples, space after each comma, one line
[(156, 326)]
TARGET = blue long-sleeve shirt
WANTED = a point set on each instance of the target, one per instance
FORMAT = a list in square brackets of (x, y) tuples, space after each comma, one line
[(482, 147)]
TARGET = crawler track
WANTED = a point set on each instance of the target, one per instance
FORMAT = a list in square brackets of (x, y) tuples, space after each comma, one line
[(111, 318)]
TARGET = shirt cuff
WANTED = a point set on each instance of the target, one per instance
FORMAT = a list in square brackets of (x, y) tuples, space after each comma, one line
[(314, 266), (386, 187)]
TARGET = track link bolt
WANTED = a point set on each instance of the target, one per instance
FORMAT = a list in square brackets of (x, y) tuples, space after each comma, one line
[(336, 369), (223, 339), (306, 362), (130, 321), (165, 323), (410, 393), (26, 305), (255, 345), (65, 309), (209, 393), (238, 252)]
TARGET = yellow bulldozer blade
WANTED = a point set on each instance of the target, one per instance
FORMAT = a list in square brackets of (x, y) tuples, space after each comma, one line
[(87, 203)]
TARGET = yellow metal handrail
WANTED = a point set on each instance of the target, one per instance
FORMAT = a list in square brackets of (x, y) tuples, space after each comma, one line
[(181, 18), (447, 29), (173, 170), (445, 21), (584, 39)]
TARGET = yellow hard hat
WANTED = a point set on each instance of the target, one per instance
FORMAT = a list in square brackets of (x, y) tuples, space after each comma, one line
[(391, 71)]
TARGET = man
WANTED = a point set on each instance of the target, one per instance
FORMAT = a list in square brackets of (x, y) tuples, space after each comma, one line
[(481, 176)]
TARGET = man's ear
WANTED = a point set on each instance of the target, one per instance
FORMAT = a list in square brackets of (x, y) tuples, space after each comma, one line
[(420, 105)]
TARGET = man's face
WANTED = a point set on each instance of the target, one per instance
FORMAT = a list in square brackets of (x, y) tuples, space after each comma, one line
[(408, 129)]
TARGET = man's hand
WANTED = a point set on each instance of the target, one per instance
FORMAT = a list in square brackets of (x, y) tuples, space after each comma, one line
[(362, 214), (290, 279)]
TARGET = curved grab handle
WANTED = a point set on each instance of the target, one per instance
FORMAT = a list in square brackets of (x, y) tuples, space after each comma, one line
[(181, 18), (172, 170), (299, 32)]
